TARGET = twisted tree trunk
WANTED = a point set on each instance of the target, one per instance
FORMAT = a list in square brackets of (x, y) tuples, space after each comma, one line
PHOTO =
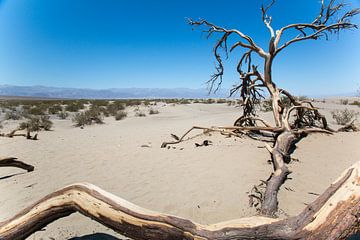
[(334, 215)]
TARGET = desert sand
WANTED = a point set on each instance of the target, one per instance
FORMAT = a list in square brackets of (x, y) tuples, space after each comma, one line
[(205, 184)]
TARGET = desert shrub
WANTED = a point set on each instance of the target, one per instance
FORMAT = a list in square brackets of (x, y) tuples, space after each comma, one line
[(344, 101), (54, 109), (13, 115), (153, 111), (120, 115), (74, 106), (302, 98), (266, 105), (37, 110), (133, 102), (356, 103), (36, 123), (140, 114), (99, 102), (63, 114), (87, 118), (286, 102), (343, 117), (221, 100), (46, 123), (210, 101), (115, 107)]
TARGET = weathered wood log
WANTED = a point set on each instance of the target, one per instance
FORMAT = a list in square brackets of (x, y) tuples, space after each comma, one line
[(280, 154), (13, 162), (334, 215)]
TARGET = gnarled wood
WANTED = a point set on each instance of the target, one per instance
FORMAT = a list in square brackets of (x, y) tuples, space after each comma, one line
[(334, 215), (13, 162)]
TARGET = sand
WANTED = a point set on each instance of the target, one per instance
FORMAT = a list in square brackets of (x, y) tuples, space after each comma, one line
[(205, 184)]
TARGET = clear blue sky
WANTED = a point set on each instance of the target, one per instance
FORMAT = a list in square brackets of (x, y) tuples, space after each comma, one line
[(136, 43)]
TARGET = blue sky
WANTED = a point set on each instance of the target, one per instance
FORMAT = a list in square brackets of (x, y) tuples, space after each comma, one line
[(136, 43)]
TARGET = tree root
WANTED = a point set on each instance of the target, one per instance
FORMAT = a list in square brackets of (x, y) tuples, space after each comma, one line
[(333, 215), (13, 133)]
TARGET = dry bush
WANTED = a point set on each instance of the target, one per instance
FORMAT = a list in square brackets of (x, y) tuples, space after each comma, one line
[(55, 109), (37, 110), (120, 115), (115, 107), (99, 102), (153, 111), (63, 114), (14, 115), (74, 106), (344, 101), (88, 117), (302, 98), (36, 123), (184, 101), (140, 114), (343, 117), (133, 102), (266, 105), (221, 100), (356, 103)]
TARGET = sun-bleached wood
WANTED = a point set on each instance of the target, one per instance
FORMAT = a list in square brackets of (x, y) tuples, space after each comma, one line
[(333, 215)]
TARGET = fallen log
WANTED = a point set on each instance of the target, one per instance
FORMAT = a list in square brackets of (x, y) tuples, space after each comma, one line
[(13, 162), (335, 214)]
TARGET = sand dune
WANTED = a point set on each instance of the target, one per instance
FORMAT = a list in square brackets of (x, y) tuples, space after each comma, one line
[(205, 184)]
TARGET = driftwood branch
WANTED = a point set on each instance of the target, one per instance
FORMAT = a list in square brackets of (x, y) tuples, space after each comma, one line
[(334, 215), (13, 162)]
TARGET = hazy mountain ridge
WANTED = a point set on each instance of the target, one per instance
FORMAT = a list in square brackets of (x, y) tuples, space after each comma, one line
[(113, 93), (56, 92)]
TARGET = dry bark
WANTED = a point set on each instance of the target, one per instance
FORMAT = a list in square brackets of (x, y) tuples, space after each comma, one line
[(333, 215)]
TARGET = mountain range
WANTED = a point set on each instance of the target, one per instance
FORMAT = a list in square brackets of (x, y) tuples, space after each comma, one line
[(111, 93)]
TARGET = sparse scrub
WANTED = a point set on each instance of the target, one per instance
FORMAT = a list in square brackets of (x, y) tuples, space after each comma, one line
[(343, 117), (36, 123), (153, 111), (210, 101), (87, 118), (115, 107), (74, 106), (221, 100), (140, 114), (55, 109), (302, 98), (344, 101), (120, 115), (184, 101), (37, 110), (63, 114), (355, 103), (13, 115), (266, 105)]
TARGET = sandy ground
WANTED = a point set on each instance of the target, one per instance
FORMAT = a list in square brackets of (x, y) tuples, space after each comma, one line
[(205, 184)]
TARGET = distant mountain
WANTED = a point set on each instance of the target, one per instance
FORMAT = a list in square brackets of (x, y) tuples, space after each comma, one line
[(112, 93)]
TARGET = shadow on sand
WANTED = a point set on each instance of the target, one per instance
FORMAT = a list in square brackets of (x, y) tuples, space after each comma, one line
[(97, 236)]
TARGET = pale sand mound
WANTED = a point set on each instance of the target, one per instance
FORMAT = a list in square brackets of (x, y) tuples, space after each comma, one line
[(205, 184)]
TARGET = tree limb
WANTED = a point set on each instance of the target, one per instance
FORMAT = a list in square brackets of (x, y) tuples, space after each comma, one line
[(333, 215)]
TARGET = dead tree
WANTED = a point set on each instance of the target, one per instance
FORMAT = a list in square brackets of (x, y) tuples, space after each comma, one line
[(293, 122), (333, 215)]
